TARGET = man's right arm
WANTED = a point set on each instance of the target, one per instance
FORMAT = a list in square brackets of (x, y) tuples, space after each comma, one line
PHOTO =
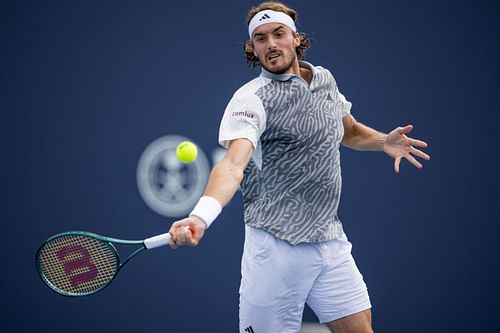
[(223, 182)]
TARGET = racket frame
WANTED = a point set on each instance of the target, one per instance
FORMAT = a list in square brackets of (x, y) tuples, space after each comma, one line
[(108, 241)]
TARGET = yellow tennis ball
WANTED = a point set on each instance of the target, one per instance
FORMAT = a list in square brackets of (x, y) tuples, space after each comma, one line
[(186, 152)]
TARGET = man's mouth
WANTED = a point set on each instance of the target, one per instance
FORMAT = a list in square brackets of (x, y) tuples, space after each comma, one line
[(273, 55)]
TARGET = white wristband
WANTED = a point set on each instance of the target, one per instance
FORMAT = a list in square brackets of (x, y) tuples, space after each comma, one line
[(207, 209)]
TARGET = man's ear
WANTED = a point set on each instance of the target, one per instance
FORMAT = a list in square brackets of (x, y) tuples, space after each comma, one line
[(249, 48), (296, 39), (253, 50)]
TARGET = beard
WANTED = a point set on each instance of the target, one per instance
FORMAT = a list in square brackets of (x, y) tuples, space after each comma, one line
[(281, 69)]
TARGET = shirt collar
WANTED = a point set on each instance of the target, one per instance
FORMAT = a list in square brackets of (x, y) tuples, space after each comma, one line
[(285, 77)]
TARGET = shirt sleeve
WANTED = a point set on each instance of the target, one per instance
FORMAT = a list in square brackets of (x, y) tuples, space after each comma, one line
[(244, 118), (342, 103)]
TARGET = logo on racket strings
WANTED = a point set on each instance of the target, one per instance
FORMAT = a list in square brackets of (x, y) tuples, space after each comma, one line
[(77, 264)]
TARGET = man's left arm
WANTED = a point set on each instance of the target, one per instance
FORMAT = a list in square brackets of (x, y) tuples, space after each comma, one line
[(395, 144)]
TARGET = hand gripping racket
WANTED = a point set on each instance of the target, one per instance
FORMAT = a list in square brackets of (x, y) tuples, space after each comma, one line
[(78, 263)]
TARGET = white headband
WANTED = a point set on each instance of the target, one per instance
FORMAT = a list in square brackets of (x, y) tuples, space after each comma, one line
[(270, 16)]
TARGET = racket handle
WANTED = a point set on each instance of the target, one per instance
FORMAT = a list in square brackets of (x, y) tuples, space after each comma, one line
[(157, 241)]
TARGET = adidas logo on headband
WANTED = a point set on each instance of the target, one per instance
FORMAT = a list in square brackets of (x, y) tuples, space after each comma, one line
[(265, 16)]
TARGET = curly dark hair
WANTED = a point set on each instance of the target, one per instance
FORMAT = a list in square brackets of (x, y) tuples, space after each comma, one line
[(305, 41)]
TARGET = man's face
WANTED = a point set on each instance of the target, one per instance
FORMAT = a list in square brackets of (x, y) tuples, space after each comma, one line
[(274, 44)]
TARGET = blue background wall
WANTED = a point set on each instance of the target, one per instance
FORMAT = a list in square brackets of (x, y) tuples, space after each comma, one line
[(87, 85)]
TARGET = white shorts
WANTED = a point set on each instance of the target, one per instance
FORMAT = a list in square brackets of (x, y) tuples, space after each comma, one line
[(278, 279)]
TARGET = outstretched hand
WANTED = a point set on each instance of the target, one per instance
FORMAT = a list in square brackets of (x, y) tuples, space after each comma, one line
[(398, 145)]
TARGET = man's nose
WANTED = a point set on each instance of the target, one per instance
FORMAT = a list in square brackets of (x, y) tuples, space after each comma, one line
[(271, 43)]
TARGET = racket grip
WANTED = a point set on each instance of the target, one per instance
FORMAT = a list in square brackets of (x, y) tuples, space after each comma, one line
[(157, 241)]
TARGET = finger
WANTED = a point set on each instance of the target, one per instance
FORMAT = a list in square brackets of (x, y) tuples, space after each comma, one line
[(413, 161), (397, 161), (406, 129), (176, 225), (188, 234), (419, 153), (185, 233), (173, 235), (181, 225), (418, 143), (176, 238), (172, 242)]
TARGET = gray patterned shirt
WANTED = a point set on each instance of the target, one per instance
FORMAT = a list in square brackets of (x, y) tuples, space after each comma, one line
[(291, 187)]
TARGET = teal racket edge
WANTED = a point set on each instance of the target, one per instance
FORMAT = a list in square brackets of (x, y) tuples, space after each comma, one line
[(79, 263)]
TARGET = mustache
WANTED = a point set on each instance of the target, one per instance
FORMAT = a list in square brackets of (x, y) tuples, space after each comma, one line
[(272, 53)]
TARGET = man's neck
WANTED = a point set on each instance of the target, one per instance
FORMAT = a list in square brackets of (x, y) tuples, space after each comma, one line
[(306, 74), (303, 72)]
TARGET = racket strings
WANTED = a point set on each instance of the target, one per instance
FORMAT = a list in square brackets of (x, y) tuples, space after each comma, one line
[(77, 264)]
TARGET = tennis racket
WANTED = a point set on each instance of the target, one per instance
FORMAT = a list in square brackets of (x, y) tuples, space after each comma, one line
[(78, 263)]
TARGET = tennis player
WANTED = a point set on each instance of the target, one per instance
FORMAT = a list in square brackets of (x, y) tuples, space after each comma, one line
[(282, 131)]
